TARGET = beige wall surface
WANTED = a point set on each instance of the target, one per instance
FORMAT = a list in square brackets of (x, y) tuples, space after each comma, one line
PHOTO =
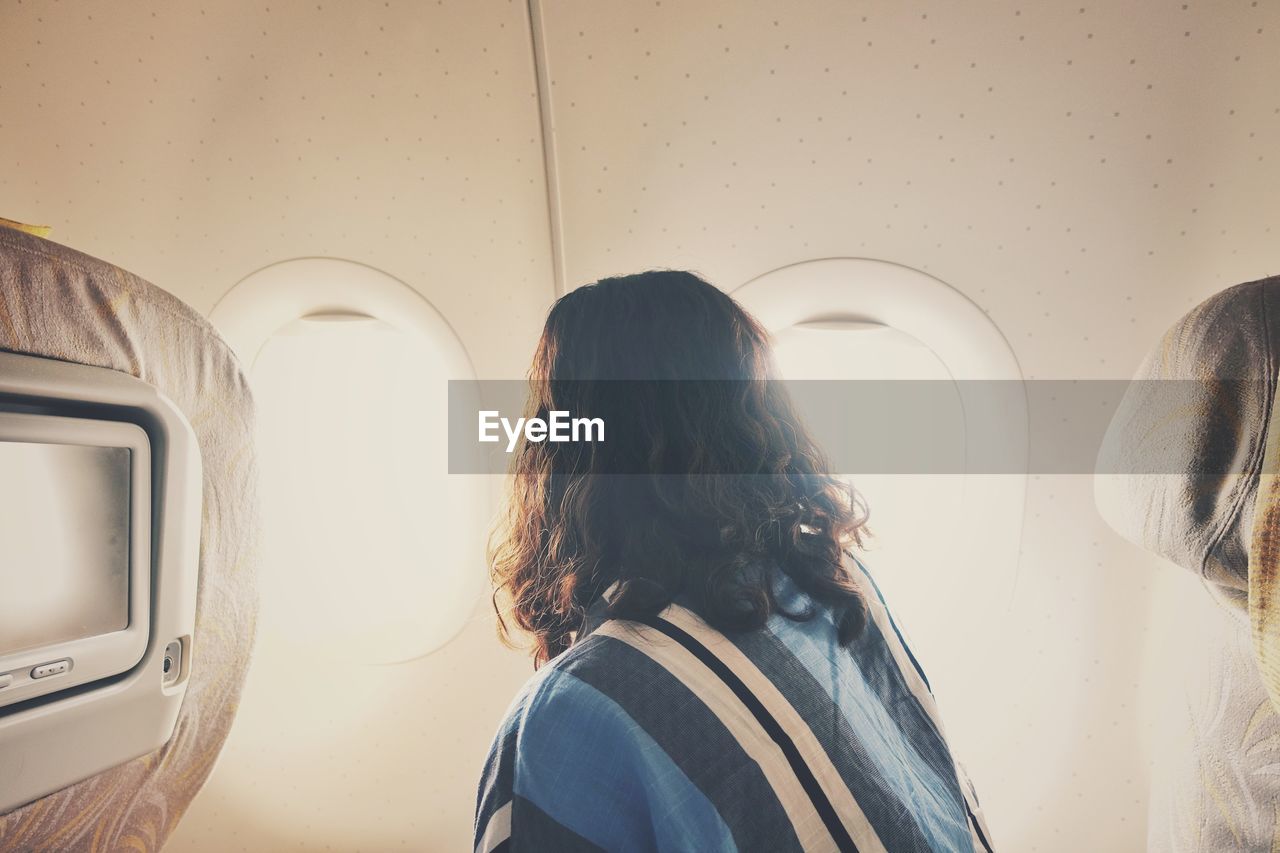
[(1083, 172)]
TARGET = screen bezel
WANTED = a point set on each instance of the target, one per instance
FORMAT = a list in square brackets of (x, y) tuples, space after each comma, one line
[(112, 653)]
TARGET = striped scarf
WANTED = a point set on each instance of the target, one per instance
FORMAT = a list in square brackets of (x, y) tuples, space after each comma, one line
[(668, 735)]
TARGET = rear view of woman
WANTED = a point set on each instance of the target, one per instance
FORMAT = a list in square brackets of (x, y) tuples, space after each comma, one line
[(716, 671)]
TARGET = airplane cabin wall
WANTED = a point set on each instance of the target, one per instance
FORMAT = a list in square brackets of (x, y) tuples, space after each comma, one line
[(1084, 173)]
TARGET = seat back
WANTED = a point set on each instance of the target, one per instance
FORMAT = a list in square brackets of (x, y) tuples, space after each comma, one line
[(59, 305), (1191, 475)]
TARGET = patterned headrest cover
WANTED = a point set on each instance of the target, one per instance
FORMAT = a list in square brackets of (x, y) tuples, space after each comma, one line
[(1213, 507), (58, 303)]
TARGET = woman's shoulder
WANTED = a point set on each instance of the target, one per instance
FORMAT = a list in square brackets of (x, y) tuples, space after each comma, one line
[(627, 687), (598, 672), (554, 680), (666, 666), (583, 751)]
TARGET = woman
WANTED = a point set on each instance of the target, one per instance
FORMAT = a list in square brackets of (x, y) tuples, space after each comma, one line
[(715, 670)]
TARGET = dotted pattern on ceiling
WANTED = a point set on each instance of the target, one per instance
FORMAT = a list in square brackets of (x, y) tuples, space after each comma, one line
[(1084, 172), (196, 142)]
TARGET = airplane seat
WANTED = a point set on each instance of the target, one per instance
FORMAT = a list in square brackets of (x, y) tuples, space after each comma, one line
[(115, 762), (1189, 470)]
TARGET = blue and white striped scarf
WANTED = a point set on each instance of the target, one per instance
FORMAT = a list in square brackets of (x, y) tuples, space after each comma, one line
[(668, 735)]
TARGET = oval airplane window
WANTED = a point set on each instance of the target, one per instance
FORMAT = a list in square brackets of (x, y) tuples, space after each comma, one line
[(944, 546), (362, 558), (897, 554)]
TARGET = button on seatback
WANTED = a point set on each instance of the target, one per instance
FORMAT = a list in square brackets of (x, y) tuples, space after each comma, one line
[(56, 667)]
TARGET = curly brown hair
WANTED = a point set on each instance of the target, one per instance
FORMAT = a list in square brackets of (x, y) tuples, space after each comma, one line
[(711, 488)]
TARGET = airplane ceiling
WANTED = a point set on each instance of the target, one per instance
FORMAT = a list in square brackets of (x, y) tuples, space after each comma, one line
[(1046, 159)]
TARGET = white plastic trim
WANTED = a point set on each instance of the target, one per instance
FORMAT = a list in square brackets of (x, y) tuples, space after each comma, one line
[(864, 293), (961, 334), (262, 303), (62, 740)]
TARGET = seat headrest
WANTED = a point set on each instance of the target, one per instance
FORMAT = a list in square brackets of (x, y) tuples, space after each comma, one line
[(1193, 426), (61, 304)]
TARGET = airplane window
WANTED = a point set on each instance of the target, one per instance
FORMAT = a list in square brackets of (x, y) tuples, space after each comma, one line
[(944, 547), (360, 525), (373, 551), (373, 554), (903, 561)]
